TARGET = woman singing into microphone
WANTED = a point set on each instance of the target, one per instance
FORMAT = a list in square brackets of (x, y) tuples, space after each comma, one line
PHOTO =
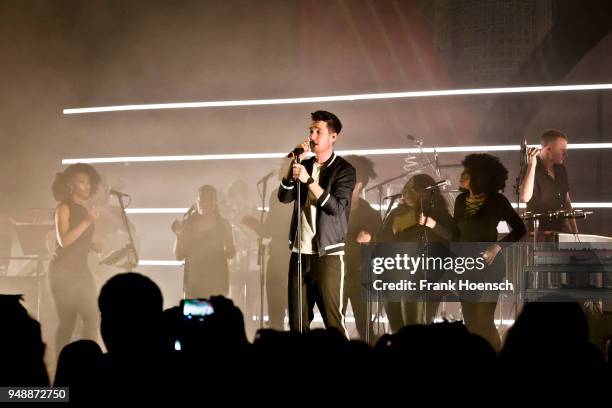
[(477, 212), (71, 282), (204, 240), (402, 225)]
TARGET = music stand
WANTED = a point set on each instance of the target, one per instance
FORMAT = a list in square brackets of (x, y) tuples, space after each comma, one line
[(33, 241)]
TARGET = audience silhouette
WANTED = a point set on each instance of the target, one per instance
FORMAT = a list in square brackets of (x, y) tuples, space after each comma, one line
[(154, 354)]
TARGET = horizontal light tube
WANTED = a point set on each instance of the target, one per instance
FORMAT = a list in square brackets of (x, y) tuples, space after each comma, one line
[(360, 152), (339, 98), (375, 206)]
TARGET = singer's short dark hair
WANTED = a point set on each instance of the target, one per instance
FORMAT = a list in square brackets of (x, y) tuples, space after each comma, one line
[(487, 174), (332, 121), (552, 135), (61, 184)]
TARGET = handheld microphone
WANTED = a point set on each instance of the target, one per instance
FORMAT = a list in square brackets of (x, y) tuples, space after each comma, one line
[(191, 211), (524, 158), (299, 150), (439, 184), (295, 152)]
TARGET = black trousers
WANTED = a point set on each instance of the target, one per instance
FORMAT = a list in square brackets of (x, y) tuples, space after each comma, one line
[(74, 294), (354, 291), (276, 286), (322, 284)]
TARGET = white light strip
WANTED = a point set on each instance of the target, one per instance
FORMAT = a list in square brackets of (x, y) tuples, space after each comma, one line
[(339, 98), (498, 322), (587, 145), (362, 152), (592, 205), (169, 210), (351, 319), (375, 206), (578, 205), (156, 210), (133, 159), (150, 262)]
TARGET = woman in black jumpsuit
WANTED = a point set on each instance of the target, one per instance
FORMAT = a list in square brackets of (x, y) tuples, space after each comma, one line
[(477, 212), (71, 282)]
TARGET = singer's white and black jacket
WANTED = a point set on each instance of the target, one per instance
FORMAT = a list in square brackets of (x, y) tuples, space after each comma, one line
[(337, 178)]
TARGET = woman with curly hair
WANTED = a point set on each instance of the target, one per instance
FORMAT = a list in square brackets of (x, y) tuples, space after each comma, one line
[(478, 210), (70, 279)]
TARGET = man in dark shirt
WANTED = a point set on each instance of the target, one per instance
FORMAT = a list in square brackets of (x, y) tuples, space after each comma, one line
[(545, 185), (364, 221)]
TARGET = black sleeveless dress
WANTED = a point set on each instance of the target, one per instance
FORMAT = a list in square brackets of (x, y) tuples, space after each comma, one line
[(70, 279), (206, 267)]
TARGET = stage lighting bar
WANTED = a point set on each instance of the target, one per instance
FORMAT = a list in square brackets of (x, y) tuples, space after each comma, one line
[(578, 205), (375, 206), (523, 205), (339, 98), (156, 210), (361, 152), (152, 262), (351, 319)]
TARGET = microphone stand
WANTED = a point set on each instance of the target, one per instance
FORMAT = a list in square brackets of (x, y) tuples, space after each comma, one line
[(435, 166), (298, 185), (517, 194), (261, 255), (132, 260), (368, 294), (424, 241), (520, 176), (381, 196)]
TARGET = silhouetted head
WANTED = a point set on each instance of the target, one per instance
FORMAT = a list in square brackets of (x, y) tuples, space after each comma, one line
[(546, 323), (21, 347), (553, 336), (131, 308), (78, 364)]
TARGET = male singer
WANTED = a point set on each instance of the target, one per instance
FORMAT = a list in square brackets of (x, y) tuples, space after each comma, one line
[(545, 184), (326, 183)]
